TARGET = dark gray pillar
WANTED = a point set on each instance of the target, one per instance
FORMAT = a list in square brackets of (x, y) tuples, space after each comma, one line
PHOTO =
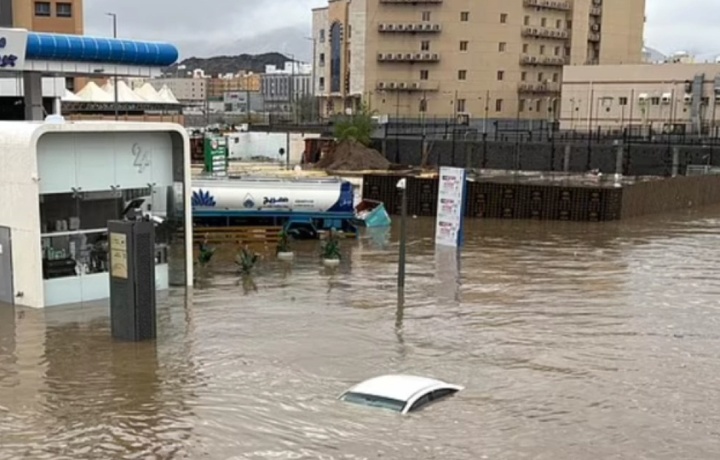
[(32, 86)]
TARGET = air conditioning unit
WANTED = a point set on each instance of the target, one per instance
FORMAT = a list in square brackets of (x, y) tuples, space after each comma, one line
[(595, 28), (436, 27), (399, 56), (389, 57), (409, 57), (381, 56), (402, 85), (642, 98), (418, 56), (410, 27), (390, 85), (463, 119), (533, 59), (415, 85), (428, 27), (688, 98), (381, 27), (666, 98), (389, 27), (381, 85), (400, 27), (564, 34), (435, 57), (419, 27)]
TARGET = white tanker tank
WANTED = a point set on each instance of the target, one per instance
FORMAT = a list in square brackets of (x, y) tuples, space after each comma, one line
[(252, 195)]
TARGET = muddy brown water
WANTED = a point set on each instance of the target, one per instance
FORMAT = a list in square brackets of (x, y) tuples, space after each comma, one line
[(574, 342)]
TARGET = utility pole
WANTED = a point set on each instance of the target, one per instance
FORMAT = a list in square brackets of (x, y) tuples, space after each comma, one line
[(115, 78)]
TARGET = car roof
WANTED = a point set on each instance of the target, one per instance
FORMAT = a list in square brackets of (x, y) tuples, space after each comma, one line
[(399, 387)]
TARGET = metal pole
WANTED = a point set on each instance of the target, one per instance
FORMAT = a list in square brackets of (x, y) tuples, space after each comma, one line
[(115, 78), (287, 149), (487, 108), (403, 242)]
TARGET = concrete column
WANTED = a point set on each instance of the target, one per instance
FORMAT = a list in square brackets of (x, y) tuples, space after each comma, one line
[(675, 161), (32, 87), (57, 106), (566, 158)]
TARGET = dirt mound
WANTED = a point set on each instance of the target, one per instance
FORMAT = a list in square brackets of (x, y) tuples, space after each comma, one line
[(352, 156)]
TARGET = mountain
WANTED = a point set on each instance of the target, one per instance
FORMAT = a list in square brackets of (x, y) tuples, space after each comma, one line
[(231, 64), (290, 41)]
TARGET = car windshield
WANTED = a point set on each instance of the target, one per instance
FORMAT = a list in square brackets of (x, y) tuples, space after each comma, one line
[(374, 401)]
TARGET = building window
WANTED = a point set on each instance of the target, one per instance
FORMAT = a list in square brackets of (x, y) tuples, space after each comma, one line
[(465, 16), (543, 22), (655, 101), (569, 24), (462, 74), (526, 21), (64, 10), (321, 62), (521, 105), (623, 101), (538, 105), (426, 16), (349, 31), (424, 74), (336, 32), (542, 49), (321, 83), (526, 48), (501, 75), (523, 76), (425, 45), (42, 8), (498, 105), (558, 24), (463, 46), (541, 77), (503, 18), (322, 35), (502, 46), (556, 77), (461, 105)]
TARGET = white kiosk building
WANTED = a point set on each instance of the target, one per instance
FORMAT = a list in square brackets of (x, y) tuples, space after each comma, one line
[(62, 181)]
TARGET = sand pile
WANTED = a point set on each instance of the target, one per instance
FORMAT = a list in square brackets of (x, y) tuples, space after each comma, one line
[(352, 156)]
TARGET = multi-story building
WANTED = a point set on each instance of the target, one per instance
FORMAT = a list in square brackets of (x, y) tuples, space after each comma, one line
[(186, 90), (495, 59), (218, 86), (58, 16), (283, 89), (659, 98)]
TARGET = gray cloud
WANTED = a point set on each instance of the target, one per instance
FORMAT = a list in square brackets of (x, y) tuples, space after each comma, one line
[(235, 26)]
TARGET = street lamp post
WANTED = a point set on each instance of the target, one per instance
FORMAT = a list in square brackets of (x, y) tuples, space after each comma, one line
[(115, 78)]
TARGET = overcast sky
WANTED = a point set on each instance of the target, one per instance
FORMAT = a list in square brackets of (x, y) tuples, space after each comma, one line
[(235, 26)]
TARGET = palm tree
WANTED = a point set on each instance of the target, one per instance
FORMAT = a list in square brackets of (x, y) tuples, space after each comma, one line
[(358, 127)]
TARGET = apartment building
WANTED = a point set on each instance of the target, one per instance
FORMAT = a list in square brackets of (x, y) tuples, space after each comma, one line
[(186, 90), (57, 16), (492, 59), (660, 98), (217, 87)]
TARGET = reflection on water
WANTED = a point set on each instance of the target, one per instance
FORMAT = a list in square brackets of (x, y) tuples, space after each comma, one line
[(574, 341)]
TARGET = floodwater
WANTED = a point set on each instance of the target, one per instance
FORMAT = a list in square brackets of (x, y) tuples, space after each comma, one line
[(574, 341)]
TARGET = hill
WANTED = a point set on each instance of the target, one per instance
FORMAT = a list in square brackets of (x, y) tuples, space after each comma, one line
[(231, 64)]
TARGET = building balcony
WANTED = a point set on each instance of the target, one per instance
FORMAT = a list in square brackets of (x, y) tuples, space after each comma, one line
[(526, 59), (542, 32), (411, 28), (547, 4), (408, 57), (539, 88), (408, 86), (410, 2)]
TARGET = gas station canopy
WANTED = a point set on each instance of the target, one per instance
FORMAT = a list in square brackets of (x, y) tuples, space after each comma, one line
[(54, 54)]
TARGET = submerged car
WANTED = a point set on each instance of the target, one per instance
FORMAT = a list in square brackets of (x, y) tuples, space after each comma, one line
[(399, 393)]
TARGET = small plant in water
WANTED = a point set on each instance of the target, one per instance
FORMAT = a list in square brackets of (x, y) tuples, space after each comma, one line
[(283, 244), (331, 246), (246, 260), (206, 253)]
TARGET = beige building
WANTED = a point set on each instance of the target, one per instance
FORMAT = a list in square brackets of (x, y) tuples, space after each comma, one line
[(485, 59), (217, 87), (188, 90), (650, 97), (57, 16)]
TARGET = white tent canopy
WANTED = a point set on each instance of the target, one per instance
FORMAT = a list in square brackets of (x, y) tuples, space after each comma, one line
[(93, 93), (167, 96), (125, 95), (148, 92), (69, 96)]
